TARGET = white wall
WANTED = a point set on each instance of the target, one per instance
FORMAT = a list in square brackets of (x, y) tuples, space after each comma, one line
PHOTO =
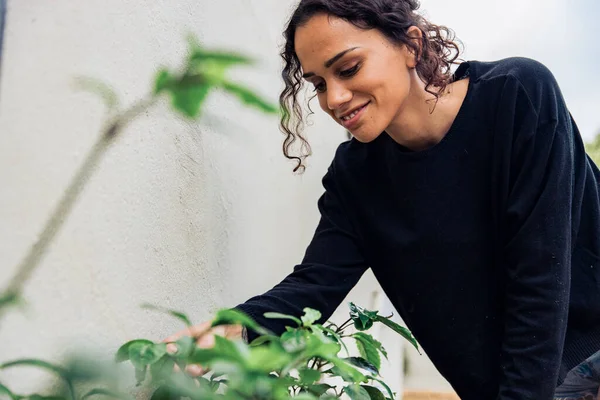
[(188, 215)]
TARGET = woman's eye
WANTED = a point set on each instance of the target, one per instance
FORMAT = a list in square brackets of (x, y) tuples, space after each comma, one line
[(349, 72), (320, 87)]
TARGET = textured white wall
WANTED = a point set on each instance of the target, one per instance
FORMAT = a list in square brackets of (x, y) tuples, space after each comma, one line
[(188, 215)]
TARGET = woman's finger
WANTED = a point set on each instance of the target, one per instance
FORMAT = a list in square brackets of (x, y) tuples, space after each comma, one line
[(206, 341), (194, 370), (171, 348), (194, 331)]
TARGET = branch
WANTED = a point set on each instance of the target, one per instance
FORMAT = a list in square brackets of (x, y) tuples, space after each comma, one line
[(60, 214)]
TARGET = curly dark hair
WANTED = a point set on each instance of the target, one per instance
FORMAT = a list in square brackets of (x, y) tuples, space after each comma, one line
[(436, 53)]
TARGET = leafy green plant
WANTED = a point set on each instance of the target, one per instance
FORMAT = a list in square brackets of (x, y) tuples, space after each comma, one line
[(308, 361)]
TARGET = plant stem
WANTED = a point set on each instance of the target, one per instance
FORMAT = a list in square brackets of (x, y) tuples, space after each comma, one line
[(343, 326), (37, 251)]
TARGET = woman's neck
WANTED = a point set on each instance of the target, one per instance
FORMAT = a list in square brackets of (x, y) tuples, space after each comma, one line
[(422, 122)]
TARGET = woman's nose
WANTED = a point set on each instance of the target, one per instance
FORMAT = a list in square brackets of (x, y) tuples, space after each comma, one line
[(337, 95)]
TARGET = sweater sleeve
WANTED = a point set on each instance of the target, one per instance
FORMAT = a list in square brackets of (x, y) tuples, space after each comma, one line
[(332, 265), (536, 252)]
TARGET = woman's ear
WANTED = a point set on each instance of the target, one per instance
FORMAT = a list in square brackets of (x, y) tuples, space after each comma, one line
[(416, 36)]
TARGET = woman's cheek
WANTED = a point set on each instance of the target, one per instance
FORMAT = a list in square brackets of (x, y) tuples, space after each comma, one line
[(323, 105)]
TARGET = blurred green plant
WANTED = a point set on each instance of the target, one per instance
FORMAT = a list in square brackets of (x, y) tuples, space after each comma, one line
[(308, 361), (204, 71), (593, 149)]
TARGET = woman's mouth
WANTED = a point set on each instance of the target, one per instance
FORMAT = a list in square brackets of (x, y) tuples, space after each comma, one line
[(351, 119)]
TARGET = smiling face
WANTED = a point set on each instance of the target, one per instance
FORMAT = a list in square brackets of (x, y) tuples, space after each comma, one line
[(361, 78)]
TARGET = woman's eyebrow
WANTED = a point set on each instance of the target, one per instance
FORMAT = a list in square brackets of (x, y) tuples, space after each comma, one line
[(331, 61)]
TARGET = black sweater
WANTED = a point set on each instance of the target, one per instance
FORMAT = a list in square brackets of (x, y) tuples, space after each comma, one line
[(486, 243)]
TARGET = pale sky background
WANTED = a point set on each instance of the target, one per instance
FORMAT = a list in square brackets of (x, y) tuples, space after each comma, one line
[(562, 34)]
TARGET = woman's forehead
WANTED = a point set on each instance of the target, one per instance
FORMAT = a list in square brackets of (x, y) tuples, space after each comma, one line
[(323, 36)]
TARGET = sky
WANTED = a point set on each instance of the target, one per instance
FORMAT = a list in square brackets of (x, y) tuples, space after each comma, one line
[(562, 34)]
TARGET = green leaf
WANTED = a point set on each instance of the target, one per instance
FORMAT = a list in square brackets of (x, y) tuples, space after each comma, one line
[(331, 334), (165, 393), (223, 351), (364, 337), (58, 370), (374, 393), (249, 98), (309, 376), (214, 385), (310, 344), (227, 348), (294, 341), (105, 392), (179, 315), (320, 345), (163, 81), (310, 316), (363, 319), (304, 396), (369, 353), (5, 391), (8, 300), (205, 356), (404, 332), (185, 346), (357, 392), (274, 315), (223, 59), (387, 388), (97, 87), (368, 350), (233, 317), (188, 99), (319, 389), (346, 371), (40, 397), (263, 339), (143, 354), (268, 358), (356, 310), (363, 364), (123, 352), (185, 386), (162, 369)]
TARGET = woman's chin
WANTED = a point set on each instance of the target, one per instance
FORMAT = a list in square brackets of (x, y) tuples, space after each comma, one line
[(364, 137)]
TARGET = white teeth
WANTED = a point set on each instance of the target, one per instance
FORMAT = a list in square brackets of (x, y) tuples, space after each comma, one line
[(351, 115)]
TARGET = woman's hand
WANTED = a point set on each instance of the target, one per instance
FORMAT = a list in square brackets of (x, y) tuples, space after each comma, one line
[(205, 338)]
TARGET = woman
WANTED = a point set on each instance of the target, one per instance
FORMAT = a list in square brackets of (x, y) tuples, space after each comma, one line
[(469, 195)]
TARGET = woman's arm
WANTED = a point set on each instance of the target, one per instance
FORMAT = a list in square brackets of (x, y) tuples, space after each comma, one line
[(536, 235)]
